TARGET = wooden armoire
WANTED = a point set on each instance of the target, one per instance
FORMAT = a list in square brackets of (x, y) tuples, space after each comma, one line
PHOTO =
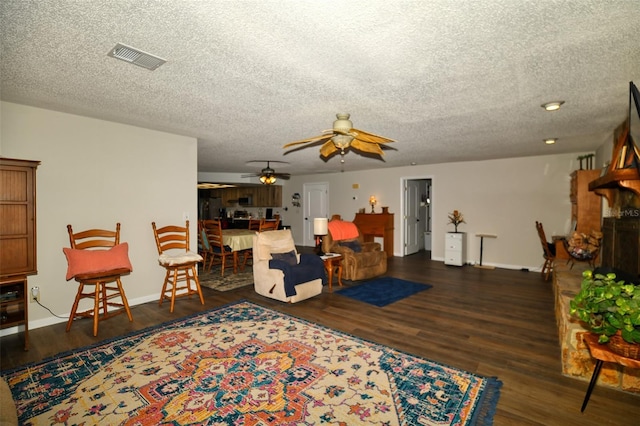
[(17, 240)]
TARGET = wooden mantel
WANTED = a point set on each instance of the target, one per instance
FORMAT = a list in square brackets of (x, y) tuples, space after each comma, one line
[(617, 177), (608, 185), (377, 225)]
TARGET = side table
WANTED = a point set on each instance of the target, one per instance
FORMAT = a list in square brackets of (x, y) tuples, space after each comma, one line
[(482, 237), (332, 261), (602, 354)]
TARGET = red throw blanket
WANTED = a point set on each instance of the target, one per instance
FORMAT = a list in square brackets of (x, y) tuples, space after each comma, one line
[(341, 230)]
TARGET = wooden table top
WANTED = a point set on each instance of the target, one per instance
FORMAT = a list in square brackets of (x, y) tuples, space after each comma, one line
[(603, 353)]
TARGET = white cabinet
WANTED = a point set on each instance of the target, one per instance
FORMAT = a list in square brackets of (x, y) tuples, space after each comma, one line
[(455, 248)]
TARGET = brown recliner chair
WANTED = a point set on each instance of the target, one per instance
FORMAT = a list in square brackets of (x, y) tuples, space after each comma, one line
[(361, 260)]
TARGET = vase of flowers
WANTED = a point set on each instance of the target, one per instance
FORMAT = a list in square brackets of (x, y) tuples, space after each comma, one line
[(456, 219)]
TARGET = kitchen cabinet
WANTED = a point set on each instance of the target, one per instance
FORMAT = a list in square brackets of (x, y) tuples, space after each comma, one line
[(261, 196)]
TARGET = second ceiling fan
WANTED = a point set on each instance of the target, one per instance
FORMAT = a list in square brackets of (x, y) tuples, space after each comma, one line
[(268, 176)]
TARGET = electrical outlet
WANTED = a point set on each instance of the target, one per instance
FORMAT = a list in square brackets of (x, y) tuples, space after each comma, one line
[(34, 296)]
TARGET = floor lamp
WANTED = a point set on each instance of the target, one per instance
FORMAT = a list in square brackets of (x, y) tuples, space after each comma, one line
[(320, 229)]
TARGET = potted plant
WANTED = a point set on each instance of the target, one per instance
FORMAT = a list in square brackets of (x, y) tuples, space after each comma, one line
[(610, 308), (456, 219)]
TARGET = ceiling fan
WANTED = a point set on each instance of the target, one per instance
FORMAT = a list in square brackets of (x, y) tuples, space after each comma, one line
[(343, 136), (268, 176)]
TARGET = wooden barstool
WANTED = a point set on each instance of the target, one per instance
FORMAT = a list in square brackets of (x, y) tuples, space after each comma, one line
[(94, 241), (173, 249)]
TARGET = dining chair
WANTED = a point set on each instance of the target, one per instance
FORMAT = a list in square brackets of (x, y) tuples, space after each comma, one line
[(548, 252), (254, 224), (204, 248), (172, 242), (269, 225), (219, 253), (98, 260)]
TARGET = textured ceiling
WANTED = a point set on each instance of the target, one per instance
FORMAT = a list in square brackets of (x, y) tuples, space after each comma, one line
[(449, 80)]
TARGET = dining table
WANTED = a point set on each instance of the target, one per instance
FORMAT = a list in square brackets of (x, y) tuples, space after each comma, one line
[(238, 239)]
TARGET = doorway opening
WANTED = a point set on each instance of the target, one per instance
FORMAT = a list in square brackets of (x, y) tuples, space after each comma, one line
[(418, 207)]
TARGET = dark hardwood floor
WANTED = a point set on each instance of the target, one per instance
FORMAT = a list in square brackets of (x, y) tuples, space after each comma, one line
[(490, 322)]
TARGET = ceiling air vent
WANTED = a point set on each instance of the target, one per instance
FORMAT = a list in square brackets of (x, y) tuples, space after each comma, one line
[(136, 56)]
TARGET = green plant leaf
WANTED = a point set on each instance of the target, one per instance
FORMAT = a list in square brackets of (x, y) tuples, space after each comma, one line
[(606, 306)]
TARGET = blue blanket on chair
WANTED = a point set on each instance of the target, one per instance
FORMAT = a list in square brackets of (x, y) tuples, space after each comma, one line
[(310, 268)]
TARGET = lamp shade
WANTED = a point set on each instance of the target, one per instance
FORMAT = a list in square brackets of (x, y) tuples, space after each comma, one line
[(320, 226)]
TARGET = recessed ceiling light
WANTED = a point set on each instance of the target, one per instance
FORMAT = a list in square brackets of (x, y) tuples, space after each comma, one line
[(552, 106), (550, 141)]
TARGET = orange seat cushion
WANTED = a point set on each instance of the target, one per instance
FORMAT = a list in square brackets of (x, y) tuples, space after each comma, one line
[(92, 261)]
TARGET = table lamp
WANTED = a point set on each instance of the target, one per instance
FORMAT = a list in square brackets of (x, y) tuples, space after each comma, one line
[(320, 229), (372, 201)]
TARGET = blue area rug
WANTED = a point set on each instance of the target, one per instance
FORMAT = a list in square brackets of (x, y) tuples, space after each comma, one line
[(383, 291)]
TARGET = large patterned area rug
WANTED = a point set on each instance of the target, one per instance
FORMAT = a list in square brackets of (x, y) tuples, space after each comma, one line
[(383, 291), (243, 364), (230, 280)]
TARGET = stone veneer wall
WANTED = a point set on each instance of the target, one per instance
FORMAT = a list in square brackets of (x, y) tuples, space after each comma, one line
[(576, 360)]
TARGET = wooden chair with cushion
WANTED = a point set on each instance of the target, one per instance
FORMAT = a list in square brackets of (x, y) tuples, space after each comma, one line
[(548, 252), (218, 254), (361, 260), (97, 260), (172, 243)]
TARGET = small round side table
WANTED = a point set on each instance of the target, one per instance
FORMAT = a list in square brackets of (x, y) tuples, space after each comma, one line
[(332, 261)]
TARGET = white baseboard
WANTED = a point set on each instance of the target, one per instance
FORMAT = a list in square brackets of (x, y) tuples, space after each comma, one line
[(43, 322)]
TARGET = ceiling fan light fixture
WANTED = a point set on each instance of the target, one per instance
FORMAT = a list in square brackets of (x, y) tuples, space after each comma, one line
[(268, 179), (342, 141), (552, 106)]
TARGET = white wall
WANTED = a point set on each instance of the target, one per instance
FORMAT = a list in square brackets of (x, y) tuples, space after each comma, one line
[(93, 174), (503, 197)]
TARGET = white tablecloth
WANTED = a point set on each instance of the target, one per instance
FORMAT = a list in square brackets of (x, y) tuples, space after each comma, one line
[(238, 239)]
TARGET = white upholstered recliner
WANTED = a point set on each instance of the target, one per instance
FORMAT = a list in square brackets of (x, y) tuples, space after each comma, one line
[(280, 272)]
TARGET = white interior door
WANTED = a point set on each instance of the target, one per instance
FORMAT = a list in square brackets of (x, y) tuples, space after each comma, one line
[(411, 217), (316, 204)]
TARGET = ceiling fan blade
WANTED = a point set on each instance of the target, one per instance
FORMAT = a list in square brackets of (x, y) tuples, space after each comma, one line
[(285, 176), (267, 161), (319, 138), (328, 148), (369, 137), (370, 147)]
